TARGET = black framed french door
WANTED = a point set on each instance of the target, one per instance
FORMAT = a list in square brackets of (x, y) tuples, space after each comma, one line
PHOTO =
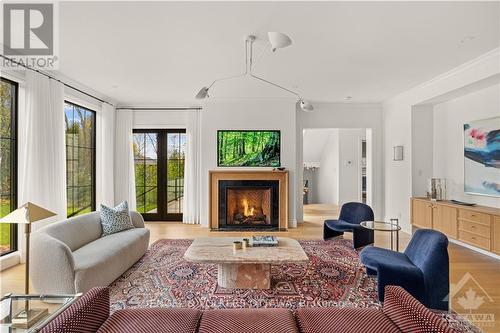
[(159, 156)]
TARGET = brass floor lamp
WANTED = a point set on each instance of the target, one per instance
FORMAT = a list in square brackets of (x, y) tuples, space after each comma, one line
[(27, 214)]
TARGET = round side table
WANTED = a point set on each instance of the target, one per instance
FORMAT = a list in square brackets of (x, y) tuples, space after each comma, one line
[(384, 226)]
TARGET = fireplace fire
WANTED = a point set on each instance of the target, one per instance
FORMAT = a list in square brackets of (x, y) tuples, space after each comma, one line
[(249, 206)]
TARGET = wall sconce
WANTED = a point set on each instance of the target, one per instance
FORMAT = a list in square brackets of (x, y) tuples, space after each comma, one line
[(397, 153)]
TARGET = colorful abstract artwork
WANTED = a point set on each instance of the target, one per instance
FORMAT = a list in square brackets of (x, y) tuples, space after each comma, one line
[(482, 157)]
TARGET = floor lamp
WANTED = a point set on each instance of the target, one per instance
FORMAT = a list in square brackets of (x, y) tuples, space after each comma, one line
[(27, 214)]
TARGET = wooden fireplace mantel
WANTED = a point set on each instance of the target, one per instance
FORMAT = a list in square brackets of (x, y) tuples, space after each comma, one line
[(216, 175)]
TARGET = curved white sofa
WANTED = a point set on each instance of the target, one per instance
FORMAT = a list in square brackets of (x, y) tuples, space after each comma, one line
[(71, 256)]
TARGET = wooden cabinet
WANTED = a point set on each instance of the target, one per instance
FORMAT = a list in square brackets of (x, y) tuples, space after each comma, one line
[(478, 226), (444, 219), (421, 214)]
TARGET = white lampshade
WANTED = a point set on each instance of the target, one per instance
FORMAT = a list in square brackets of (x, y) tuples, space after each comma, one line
[(203, 93), (306, 106), (278, 40), (27, 214)]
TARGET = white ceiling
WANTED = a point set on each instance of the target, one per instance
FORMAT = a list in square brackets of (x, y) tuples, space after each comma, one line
[(160, 53)]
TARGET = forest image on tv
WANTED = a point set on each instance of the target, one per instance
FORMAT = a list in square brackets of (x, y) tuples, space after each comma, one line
[(248, 148)]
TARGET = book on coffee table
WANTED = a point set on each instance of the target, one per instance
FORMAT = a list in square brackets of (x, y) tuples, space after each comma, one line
[(264, 241)]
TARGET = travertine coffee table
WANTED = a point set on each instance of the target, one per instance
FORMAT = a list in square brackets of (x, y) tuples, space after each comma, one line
[(248, 268)]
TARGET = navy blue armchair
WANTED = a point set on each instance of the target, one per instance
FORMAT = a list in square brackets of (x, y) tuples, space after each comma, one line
[(423, 269), (351, 215)]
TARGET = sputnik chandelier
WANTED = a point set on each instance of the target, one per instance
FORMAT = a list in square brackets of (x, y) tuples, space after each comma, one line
[(277, 40)]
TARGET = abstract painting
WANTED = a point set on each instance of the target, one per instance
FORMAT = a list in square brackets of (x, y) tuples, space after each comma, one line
[(482, 157)]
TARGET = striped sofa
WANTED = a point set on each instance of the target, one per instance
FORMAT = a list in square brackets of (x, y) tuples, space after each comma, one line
[(401, 313)]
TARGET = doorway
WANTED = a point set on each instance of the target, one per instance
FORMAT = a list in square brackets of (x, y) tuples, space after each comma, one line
[(159, 156), (337, 168)]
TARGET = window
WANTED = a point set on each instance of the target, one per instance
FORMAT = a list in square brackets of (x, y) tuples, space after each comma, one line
[(8, 163), (159, 173), (80, 159)]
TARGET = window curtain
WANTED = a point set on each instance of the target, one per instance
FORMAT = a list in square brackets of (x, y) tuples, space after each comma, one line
[(105, 192), (192, 171), (124, 159), (42, 146)]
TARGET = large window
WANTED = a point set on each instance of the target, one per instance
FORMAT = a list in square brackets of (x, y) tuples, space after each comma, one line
[(80, 158), (8, 163), (159, 173)]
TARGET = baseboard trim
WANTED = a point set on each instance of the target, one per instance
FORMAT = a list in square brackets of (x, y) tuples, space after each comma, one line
[(470, 247)]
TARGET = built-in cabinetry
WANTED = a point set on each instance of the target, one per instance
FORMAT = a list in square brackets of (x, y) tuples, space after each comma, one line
[(478, 226)]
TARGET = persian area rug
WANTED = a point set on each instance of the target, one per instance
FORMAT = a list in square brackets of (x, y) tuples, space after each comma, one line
[(162, 278), (334, 276)]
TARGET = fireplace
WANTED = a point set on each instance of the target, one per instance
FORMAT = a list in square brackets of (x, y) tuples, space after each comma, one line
[(248, 204), (248, 200)]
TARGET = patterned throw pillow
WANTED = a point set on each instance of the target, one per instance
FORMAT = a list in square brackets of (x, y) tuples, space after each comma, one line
[(116, 219)]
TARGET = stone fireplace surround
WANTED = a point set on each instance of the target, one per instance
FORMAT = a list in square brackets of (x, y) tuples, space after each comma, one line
[(275, 189)]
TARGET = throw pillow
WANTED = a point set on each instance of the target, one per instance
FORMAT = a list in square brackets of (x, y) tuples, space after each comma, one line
[(116, 219)]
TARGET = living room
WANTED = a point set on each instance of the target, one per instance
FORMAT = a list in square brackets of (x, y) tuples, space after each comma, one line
[(250, 166)]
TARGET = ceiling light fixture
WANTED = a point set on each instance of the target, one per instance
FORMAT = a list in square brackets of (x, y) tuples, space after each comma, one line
[(277, 40)]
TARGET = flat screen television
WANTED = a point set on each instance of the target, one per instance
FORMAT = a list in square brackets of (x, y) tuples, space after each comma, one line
[(248, 148)]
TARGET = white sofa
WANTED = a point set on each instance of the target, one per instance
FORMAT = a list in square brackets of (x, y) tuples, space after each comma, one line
[(71, 256)]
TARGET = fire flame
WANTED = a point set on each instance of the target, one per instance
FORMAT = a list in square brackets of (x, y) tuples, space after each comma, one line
[(248, 211)]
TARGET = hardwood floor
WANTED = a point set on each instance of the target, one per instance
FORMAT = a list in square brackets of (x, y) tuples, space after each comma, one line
[(485, 270)]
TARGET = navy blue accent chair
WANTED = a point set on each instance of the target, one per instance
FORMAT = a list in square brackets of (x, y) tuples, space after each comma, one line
[(351, 215), (422, 270)]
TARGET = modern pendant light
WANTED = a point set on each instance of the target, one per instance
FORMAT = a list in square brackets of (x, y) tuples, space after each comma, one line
[(277, 40), (306, 106)]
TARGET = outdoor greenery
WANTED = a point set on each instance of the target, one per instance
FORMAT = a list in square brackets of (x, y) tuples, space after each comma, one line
[(80, 154), (6, 172), (146, 169), (248, 148)]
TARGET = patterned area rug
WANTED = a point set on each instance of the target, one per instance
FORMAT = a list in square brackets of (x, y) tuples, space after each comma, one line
[(334, 276)]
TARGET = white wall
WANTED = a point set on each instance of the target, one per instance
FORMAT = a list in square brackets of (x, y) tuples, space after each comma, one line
[(353, 116), (448, 158), (314, 144), (350, 164), (398, 128), (160, 119), (422, 148), (250, 114), (328, 175)]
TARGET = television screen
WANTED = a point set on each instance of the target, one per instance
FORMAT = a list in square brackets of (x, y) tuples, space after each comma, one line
[(248, 148)]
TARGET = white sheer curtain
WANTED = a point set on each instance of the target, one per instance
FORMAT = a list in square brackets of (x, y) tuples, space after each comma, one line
[(192, 171), (42, 146), (105, 192), (124, 177)]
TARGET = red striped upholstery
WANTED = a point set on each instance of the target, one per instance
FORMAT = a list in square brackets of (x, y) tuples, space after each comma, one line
[(153, 320), (345, 320), (248, 320), (410, 315), (86, 315)]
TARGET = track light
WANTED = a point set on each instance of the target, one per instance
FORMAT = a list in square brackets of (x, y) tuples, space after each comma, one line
[(278, 40)]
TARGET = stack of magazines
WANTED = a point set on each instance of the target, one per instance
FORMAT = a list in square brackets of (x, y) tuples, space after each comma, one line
[(264, 241)]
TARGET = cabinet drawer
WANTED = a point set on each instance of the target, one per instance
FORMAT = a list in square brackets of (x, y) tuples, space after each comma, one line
[(475, 228), (474, 216), (473, 239)]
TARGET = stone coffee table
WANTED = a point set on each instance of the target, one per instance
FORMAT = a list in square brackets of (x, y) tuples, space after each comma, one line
[(248, 268)]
